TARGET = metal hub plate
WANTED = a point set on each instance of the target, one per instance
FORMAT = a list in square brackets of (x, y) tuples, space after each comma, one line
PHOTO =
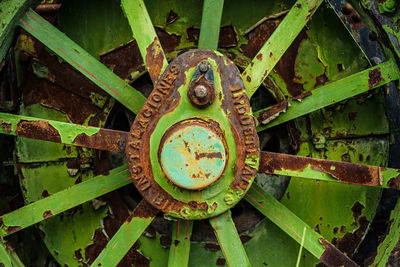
[(167, 183)]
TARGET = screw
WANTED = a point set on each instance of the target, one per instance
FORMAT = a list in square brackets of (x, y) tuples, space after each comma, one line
[(203, 67), (200, 91)]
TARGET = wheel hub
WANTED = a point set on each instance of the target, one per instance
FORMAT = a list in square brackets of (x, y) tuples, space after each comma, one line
[(192, 155), (193, 148)]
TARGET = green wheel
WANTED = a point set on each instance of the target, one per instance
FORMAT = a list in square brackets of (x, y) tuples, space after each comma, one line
[(199, 133)]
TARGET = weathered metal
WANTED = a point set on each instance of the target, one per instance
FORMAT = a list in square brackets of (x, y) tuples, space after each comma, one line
[(8, 257), (63, 200), (328, 170), (230, 112), (229, 240), (61, 132), (127, 235), (283, 36), (146, 38), (11, 12), (180, 245), (192, 155), (327, 95), (201, 91), (82, 61), (293, 226)]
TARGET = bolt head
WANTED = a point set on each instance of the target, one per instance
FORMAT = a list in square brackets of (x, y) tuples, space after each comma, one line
[(203, 67), (200, 91)]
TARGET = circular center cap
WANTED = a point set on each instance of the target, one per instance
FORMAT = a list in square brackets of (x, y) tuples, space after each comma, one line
[(192, 156)]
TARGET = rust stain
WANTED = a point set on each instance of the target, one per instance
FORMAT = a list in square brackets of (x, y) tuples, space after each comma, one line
[(272, 113), (105, 139), (228, 36), (394, 182), (259, 56), (198, 156), (47, 214), (6, 127), (375, 77), (333, 257), (344, 172), (38, 129), (154, 59), (172, 17), (143, 210), (13, 229)]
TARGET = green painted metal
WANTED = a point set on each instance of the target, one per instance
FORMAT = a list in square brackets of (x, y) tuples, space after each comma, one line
[(193, 157), (332, 93), (68, 132), (11, 12), (210, 24), (285, 219), (229, 240), (180, 246), (278, 43), (126, 235), (8, 257), (63, 200), (219, 191), (146, 37), (72, 53), (387, 248)]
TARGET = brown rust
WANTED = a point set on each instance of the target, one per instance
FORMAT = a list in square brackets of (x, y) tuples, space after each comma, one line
[(333, 257), (105, 139), (228, 36), (208, 155), (143, 210), (394, 182), (343, 172), (172, 17), (38, 129), (47, 214), (272, 113), (258, 36), (13, 229), (154, 59), (375, 77), (6, 127), (164, 99)]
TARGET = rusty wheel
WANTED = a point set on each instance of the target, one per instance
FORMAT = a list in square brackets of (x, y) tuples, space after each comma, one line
[(176, 147)]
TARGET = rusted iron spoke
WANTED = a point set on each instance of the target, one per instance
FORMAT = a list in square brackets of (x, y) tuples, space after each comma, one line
[(127, 235), (210, 24), (328, 170), (229, 240), (280, 40), (146, 37), (63, 200), (327, 95), (82, 61), (295, 227), (180, 246), (62, 132)]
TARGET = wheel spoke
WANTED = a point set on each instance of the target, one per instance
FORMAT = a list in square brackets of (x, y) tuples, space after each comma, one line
[(81, 60), (9, 257), (127, 235), (63, 200), (146, 37), (210, 24), (180, 246), (62, 132), (328, 170), (327, 95), (294, 227), (280, 40), (11, 12), (229, 240)]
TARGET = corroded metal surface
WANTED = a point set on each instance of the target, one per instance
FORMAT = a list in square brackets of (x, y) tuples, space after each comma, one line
[(168, 96), (192, 155)]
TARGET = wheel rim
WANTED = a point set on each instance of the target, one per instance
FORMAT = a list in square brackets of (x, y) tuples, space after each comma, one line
[(158, 70)]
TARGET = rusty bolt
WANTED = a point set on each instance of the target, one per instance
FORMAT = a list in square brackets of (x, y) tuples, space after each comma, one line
[(200, 91), (203, 67)]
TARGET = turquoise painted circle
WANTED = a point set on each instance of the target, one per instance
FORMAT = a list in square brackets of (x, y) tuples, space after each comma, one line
[(193, 157)]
